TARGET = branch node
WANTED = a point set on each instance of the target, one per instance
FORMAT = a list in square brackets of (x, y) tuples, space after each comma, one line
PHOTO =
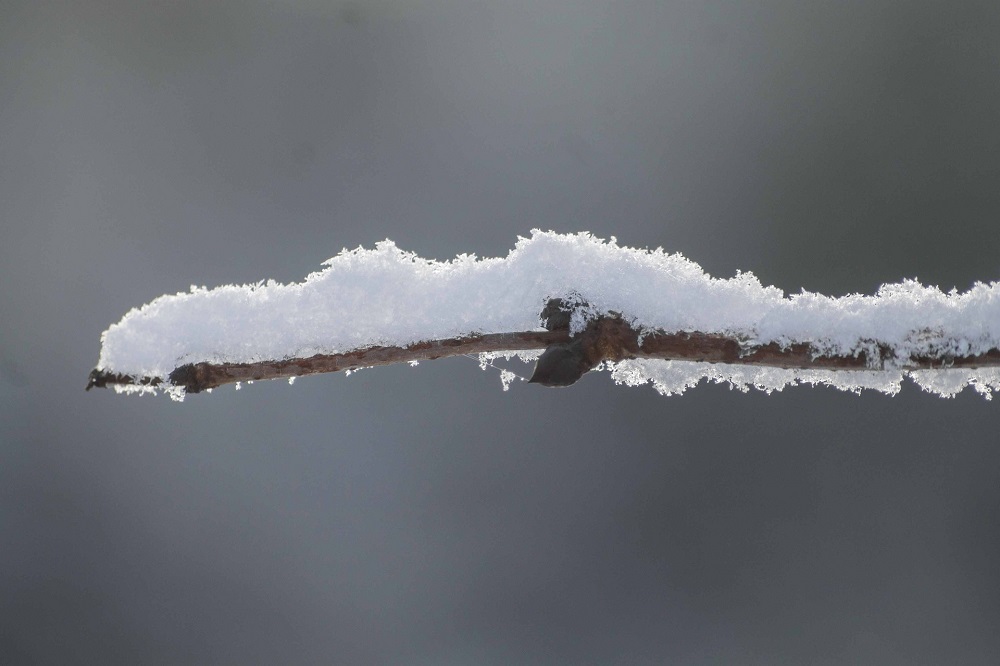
[(606, 338)]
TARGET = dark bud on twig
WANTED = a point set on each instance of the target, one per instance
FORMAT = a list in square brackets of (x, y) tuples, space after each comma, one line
[(607, 337), (563, 363)]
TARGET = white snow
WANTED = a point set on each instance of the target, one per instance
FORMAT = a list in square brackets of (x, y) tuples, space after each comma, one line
[(386, 296)]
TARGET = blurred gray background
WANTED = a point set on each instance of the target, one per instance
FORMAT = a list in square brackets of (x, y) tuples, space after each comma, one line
[(424, 516)]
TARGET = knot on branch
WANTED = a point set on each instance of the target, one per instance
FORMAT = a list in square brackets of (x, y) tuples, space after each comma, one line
[(606, 338)]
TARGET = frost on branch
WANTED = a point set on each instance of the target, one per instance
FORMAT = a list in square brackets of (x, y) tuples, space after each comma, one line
[(646, 316)]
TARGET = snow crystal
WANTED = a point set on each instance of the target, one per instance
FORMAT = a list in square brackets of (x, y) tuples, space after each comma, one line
[(386, 296), (675, 377), (506, 377)]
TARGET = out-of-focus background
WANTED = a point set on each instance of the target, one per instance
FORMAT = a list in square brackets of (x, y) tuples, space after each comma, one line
[(422, 515)]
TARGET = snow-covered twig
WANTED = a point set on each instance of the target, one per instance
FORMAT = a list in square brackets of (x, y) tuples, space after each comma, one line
[(647, 316), (197, 377)]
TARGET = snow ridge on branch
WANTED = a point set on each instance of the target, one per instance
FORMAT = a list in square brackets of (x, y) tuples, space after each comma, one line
[(647, 316)]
